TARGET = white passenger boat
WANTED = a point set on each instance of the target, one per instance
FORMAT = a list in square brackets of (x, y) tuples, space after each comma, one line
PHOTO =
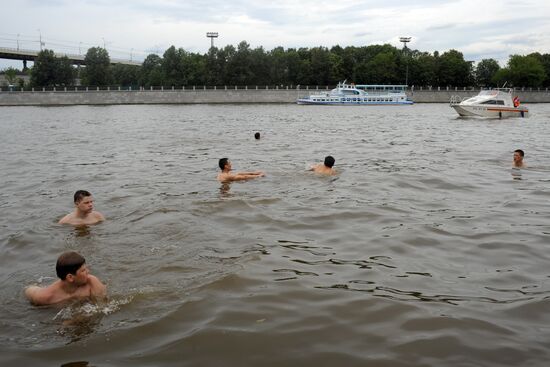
[(360, 94), (496, 103)]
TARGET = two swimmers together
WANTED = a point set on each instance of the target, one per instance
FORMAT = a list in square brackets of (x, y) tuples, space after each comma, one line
[(226, 175)]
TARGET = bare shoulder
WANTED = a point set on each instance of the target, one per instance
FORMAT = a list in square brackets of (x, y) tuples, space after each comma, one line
[(98, 289), (225, 177), (98, 216), (38, 296), (66, 219)]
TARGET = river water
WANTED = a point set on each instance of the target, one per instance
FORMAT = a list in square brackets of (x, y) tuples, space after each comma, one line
[(425, 250)]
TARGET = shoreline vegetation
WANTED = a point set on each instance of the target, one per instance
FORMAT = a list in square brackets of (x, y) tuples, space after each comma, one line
[(243, 65)]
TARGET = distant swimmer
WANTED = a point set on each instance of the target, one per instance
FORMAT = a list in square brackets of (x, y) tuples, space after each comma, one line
[(84, 213), (226, 176), (518, 159), (75, 283), (257, 136), (325, 168)]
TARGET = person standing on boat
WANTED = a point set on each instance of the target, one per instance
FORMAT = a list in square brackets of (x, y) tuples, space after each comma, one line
[(226, 176), (325, 168), (518, 159)]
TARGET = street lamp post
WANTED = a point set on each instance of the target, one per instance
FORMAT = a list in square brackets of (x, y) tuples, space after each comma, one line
[(212, 35), (17, 41), (406, 40), (131, 51), (41, 43)]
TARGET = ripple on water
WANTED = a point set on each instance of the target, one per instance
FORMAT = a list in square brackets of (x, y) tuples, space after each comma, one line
[(424, 250)]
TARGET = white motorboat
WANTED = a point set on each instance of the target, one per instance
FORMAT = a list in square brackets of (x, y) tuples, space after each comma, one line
[(360, 94), (497, 103)]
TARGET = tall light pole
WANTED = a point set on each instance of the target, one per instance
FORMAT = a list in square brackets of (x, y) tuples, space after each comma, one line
[(212, 35), (17, 41), (79, 44), (131, 51), (406, 40), (41, 43)]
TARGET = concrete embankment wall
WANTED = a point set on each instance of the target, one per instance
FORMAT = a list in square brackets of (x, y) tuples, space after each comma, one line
[(190, 96)]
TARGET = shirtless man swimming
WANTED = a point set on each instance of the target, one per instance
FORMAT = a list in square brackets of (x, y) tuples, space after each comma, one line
[(226, 176), (324, 168), (84, 213), (75, 283), (518, 159)]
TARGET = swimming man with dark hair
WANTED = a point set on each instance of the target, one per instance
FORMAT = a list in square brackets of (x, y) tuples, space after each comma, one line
[(84, 213), (325, 168), (518, 159), (257, 136), (226, 176), (75, 283)]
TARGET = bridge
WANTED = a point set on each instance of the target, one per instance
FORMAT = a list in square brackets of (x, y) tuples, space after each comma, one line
[(31, 55)]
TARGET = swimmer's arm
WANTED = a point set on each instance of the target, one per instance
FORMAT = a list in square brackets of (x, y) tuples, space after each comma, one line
[(66, 219), (243, 177), (98, 289), (255, 173), (37, 296), (99, 217)]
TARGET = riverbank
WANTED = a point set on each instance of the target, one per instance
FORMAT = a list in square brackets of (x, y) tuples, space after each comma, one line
[(217, 95)]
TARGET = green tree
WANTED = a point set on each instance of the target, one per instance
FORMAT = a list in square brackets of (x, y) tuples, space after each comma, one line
[(485, 72), (172, 66), (151, 72), (125, 75), (453, 70), (320, 65), (98, 67), (11, 75), (526, 71), (381, 69), (422, 69), (51, 71)]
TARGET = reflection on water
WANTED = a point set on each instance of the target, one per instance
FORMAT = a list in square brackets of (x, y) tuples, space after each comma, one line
[(516, 173), (415, 254)]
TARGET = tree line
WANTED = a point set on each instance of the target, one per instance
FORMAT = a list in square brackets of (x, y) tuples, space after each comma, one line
[(243, 65)]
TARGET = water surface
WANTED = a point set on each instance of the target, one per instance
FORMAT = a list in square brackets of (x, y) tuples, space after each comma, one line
[(426, 249)]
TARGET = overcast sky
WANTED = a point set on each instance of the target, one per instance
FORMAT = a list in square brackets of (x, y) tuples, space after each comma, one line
[(477, 28)]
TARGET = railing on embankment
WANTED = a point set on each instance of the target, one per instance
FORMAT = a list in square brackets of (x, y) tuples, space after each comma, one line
[(14, 96)]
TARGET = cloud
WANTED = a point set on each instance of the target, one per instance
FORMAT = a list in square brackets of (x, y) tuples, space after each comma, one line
[(139, 26)]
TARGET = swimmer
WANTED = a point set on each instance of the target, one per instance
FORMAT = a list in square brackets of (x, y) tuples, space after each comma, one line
[(84, 213), (226, 176), (518, 159), (324, 168), (257, 136), (75, 283)]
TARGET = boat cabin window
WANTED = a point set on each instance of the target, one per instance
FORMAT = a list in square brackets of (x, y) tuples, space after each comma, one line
[(492, 101)]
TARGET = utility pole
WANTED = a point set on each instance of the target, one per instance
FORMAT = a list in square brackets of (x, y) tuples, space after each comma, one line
[(406, 40), (212, 35), (17, 41)]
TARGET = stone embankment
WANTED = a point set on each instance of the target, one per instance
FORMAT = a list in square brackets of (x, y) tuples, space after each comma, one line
[(203, 95)]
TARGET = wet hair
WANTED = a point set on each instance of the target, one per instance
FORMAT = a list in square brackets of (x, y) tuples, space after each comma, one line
[(223, 162), (329, 161), (81, 194), (520, 152), (68, 263), (257, 136)]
